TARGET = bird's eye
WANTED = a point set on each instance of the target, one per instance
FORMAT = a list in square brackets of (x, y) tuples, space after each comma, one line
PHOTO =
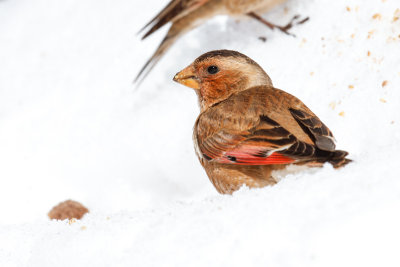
[(212, 69)]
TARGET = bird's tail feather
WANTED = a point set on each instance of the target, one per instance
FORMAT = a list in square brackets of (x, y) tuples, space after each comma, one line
[(338, 158), (166, 43)]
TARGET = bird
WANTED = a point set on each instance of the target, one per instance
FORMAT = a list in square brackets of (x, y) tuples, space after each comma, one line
[(188, 14), (247, 128)]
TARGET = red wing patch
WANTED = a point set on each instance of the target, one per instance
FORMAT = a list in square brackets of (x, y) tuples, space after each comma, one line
[(236, 157)]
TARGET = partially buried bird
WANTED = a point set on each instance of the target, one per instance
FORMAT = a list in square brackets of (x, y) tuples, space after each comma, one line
[(188, 14), (247, 128)]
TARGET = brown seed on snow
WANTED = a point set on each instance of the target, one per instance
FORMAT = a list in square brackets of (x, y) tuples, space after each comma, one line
[(370, 33), (377, 16), (68, 209), (396, 15)]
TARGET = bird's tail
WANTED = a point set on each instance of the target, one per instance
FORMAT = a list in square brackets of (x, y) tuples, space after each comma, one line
[(166, 43), (338, 158)]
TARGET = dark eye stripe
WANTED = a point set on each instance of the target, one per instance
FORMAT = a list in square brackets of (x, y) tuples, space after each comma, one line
[(212, 69)]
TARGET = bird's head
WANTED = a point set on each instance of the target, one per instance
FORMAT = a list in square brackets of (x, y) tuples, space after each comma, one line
[(218, 74)]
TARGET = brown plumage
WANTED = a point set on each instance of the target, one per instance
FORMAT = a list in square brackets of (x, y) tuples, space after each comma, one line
[(247, 128), (188, 14)]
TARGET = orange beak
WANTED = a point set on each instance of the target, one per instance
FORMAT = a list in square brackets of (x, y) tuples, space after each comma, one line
[(188, 78)]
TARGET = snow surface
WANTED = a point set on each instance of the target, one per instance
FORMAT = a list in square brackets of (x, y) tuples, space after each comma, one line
[(73, 126)]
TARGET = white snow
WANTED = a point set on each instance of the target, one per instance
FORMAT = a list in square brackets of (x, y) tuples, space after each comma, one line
[(72, 126)]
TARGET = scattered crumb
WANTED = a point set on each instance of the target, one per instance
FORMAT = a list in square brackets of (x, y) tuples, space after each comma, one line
[(348, 8), (303, 41), (396, 15), (107, 218), (285, 10), (323, 38), (382, 100), (312, 73), (71, 221), (68, 209), (368, 53), (384, 83), (341, 113), (370, 33), (353, 35), (332, 105), (262, 38), (377, 16), (83, 227), (391, 39), (392, 122), (351, 87), (377, 60)]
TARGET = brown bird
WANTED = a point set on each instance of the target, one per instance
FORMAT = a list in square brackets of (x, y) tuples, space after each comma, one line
[(247, 128), (188, 14)]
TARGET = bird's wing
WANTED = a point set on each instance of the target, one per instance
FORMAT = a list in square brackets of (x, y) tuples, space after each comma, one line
[(315, 128), (175, 10), (262, 126)]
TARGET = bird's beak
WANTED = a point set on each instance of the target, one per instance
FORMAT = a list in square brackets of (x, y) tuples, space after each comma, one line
[(188, 78)]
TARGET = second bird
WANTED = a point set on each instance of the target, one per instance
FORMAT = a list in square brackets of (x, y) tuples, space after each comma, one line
[(247, 128), (188, 14)]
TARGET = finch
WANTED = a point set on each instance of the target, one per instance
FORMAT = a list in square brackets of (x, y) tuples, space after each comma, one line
[(247, 128), (188, 14)]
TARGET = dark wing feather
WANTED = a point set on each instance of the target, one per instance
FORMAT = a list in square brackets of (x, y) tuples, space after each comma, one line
[(173, 11), (314, 127)]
